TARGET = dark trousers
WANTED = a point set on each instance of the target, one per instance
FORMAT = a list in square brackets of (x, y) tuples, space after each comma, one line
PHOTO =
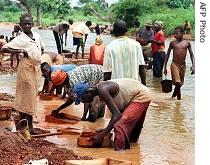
[(58, 42), (158, 62)]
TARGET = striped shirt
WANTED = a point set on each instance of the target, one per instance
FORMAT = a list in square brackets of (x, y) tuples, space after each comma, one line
[(122, 57)]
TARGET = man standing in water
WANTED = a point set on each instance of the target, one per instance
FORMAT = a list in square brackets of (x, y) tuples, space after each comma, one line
[(178, 66), (80, 31), (123, 57), (127, 100), (59, 30), (158, 49), (30, 46)]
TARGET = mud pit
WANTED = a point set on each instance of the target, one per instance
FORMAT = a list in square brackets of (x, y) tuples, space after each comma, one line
[(16, 151)]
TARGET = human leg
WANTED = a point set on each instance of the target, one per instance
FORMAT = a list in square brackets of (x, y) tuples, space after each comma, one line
[(58, 42), (132, 120)]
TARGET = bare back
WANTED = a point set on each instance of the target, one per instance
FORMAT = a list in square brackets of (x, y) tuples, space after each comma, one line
[(180, 50)]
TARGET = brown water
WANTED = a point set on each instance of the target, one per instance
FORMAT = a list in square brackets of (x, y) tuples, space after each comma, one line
[(168, 134)]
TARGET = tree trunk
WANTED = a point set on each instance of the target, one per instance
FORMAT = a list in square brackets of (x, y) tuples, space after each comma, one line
[(38, 16)]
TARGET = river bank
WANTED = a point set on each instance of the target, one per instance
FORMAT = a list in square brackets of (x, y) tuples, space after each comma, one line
[(168, 134)]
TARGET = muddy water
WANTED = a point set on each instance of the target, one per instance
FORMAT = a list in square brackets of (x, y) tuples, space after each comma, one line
[(168, 134)]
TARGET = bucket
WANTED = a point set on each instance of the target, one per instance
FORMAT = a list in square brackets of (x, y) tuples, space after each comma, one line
[(166, 85), (25, 132)]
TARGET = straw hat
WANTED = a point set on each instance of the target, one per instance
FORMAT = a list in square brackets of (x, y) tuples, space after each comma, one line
[(159, 24), (58, 77), (148, 23)]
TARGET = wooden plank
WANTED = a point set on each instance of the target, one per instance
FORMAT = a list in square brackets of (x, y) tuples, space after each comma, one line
[(100, 161), (47, 134), (53, 119), (85, 140)]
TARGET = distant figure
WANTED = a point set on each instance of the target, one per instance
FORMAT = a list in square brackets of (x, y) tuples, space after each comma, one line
[(178, 65), (2, 42), (52, 58), (80, 31), (97, 29), (158, 49), (97, 51), (16, 32), (147, 34), (123, 57), (187, 27), (59, 30)]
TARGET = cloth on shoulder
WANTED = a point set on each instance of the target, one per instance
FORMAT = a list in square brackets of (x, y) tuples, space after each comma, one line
[(79, 90)]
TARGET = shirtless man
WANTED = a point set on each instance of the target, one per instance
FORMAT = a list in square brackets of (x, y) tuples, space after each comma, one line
[(127, 100), (178, 66)]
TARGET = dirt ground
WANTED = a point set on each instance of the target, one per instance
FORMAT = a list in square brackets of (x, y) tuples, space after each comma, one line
[(16, 151), (5, 67)]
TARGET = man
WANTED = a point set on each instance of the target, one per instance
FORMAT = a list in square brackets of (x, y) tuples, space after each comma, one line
[(158, 49), (178, 66), (46, 72), (123, 57), (59, 30), (30, 46), (127, 100), (146, 34), (52, 58), (90, 73), (80, 31)]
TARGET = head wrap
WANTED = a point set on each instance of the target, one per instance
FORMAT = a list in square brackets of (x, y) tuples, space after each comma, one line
[(98, 40), (58, 77), (148, 23), (79, 90), (159, 24)]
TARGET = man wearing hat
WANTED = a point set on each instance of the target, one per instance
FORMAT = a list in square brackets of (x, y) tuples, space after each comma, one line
[(146, 34), (158, 49)]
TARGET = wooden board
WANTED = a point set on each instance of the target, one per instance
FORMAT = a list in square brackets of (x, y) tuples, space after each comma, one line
[(84, 140), (101, 161), (53, 119)]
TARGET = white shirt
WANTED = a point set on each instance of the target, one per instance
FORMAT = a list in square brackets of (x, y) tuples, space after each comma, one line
[(24, 42)]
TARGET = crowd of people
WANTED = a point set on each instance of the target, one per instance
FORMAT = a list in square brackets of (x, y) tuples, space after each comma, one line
[(115, 76)]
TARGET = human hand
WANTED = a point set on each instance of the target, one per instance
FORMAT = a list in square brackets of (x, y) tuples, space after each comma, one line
[(192, 69), (97, 140), (25, 53), (55, 112)]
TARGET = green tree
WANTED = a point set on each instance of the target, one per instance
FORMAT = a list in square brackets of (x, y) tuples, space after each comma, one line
[(128, 10)]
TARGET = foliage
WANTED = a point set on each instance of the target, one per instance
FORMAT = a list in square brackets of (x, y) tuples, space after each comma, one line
[(128, 10), (180, 3)]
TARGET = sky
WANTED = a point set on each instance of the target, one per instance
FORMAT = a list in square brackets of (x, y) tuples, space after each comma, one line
[(74, 2)]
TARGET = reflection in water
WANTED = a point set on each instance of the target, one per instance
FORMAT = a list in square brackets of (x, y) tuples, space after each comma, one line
[(168, 134)]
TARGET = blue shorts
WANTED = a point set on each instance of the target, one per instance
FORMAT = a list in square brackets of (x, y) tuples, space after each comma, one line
[(77, 41)]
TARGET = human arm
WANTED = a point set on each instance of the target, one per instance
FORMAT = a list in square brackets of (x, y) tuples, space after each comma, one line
[(86, 35), (142, 74), (192, 57), (106, 93), (66, 37), (69, 101), (10, 50), (86, 108), (167, 57), (45, 85)]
